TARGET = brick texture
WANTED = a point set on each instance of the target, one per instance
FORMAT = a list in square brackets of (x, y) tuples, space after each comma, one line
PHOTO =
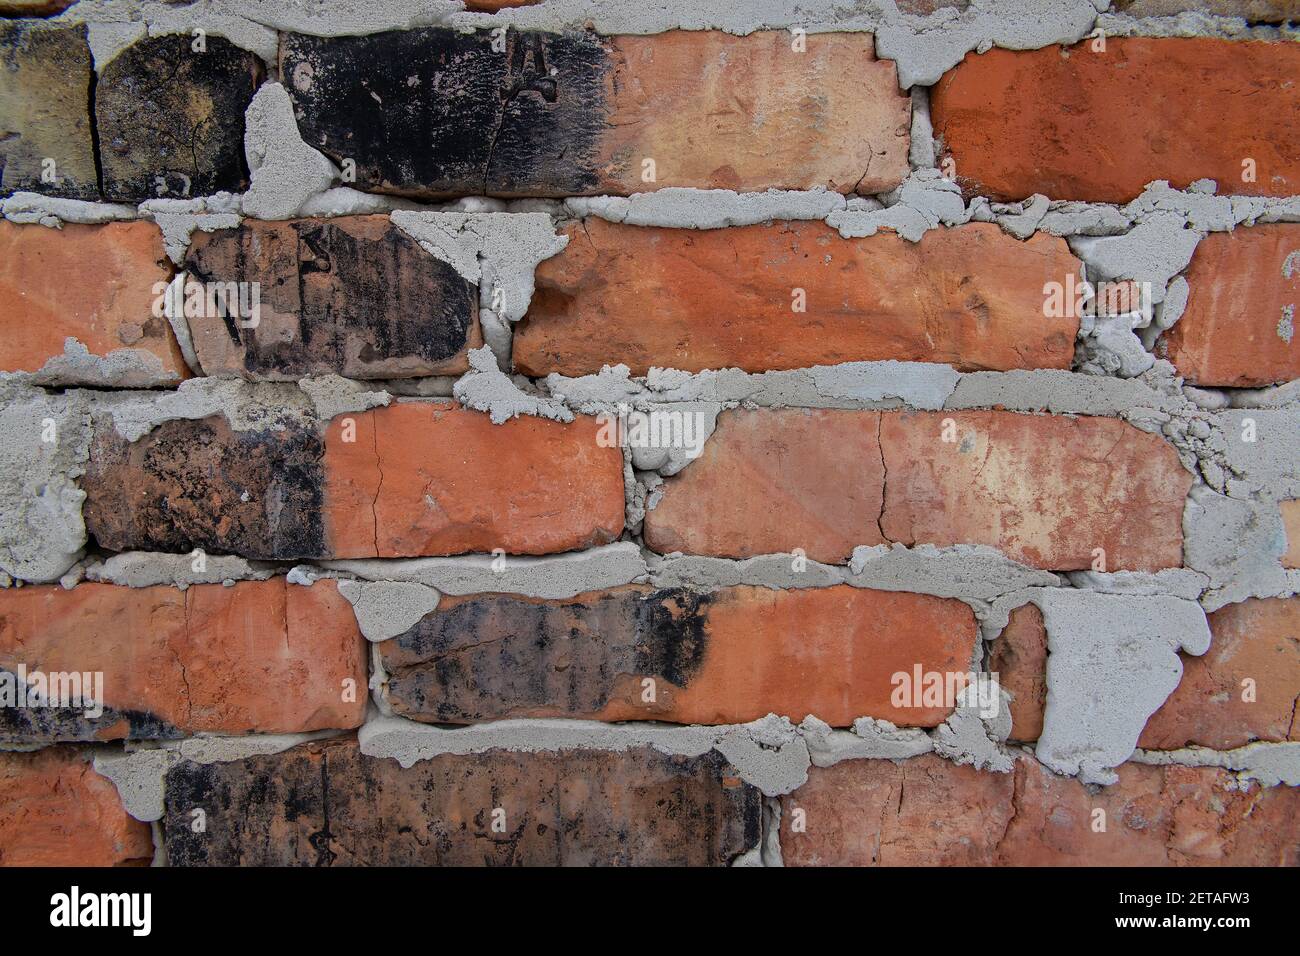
[(1019, 658), (1191, 109), (573, 114), (108, 308), (1239, 326), (971, 297), (325, 804), (726, 656), (1047, 490), (1256, 641), (355, 296), (929, 812), (258, 657), (56, 811)]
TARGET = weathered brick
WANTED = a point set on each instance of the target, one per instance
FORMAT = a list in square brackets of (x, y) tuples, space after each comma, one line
[(1291, 523), (433, 478), (56, 811), (1154, 816), (1145, 109), (771, 481), (1019, 658), (724, 298), (201, 484), (1256, 641), (1239, 326), (45, 110), (356, 296), (326, 804), (435, 112), (33, 8), (722, 657), (417, 478), (928, 812), (1046, 490), (257, 657), (107, 309), (171, 120), (854, 814)]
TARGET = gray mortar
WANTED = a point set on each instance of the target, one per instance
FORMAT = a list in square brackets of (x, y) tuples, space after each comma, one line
[(284, 171), (333, 395), (1176, 582), (968, 738), (139, 774), (41, 530), (876, 739), (486, 388), (1237, 544), (246, 406), (1055, 391), (923, 202), (921, 150), (1191, 24), (120, 368), (922, 385), (496, 251), (113, 25), (553, 577), (346, 201), (776, 571), (53, 211), (143, 569), (385, 609), (1269, 764), (1112, 662), (767, 753), (686, 208), (179, 218)]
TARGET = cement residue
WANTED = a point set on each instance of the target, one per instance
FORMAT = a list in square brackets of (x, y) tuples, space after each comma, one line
[(385, 609), (923, 202), (969, 737), (120, 368), (143, 569), (768, 753), (246, 406), (686, 208), (140, 774), (553, 577), (44, 445), (1112, 662), (1237, 545), (888, 384), (53, 211), (876, 739), (488, 389), (1269, 764), (284, 171), (333, 395), (496, 251), (113, 25)]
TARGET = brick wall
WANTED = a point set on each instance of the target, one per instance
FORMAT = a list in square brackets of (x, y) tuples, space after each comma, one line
[(565, 433)]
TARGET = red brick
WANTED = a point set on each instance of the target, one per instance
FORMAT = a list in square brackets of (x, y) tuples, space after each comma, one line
[(1257, 640), (1074, 124), (688, 299), (1019, 658), (722, 657), (325, 804), (1047, 490), (433, 478), (771, 481), (1044, 489), (1291, 522), (105, 308), (1239, 326), (258, 657), (56, 811), (926, 811), (546, 114)]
